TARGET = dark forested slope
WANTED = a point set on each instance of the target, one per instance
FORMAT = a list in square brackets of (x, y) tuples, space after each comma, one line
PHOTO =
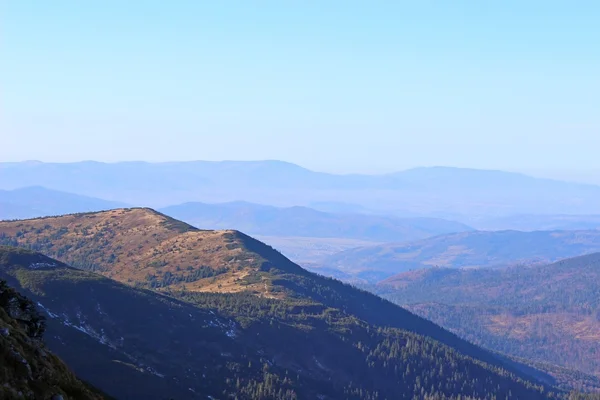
[(28, 370), (137, 344), (546, 313)]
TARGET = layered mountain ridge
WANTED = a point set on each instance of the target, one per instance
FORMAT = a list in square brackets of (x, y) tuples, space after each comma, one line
[(262, 323), (257, 219), (38, 201), (443, 192), (476, 249)]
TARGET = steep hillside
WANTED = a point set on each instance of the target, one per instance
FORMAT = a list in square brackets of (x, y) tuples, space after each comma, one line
[(264, 220), (28, 370), (144, 248), (317, 329), (439, 191), (138, 344), (547, 313), (37, 201), (133, 344), (467, 249)]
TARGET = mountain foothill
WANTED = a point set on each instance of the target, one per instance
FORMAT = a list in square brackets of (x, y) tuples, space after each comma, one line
[(144, 306)]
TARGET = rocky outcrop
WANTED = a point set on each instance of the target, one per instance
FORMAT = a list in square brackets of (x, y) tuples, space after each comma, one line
[(23, 311), (27, 369)]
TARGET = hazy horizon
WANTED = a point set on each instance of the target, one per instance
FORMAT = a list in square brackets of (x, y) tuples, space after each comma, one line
[(341, 87), (590, 176)]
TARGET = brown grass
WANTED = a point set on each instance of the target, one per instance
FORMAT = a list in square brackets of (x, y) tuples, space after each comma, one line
[(561, 324), (129, 245)]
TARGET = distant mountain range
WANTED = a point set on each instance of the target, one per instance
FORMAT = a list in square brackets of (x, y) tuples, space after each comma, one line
[(160, 309), (548, 313), (454, 193), (340, 207), (464, 250), (37, 201), (536, 222), (297, 221)]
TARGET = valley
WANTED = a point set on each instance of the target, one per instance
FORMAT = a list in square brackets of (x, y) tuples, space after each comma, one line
[(548, 313), (476, 249)]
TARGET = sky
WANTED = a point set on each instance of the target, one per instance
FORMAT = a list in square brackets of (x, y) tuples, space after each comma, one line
[(337, 86)]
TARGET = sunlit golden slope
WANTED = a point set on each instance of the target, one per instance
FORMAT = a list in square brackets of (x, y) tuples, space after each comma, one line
[(142, 247)]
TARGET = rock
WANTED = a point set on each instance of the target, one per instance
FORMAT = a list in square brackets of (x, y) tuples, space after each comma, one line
[(24, 311), (4, 332)]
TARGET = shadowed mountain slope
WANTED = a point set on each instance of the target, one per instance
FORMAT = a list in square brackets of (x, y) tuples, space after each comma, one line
[(142, 345), (28, 370), (318, 329)]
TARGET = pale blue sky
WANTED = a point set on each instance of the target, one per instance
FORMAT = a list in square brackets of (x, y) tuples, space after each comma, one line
[(342, 86)]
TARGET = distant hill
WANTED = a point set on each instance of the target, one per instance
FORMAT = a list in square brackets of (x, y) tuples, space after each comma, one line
[(28, 370), (264, 220), (228, 314), (535, 222), (309, 252), (340, 207), (36, 201), (548, 313), (466, 249), (453, 193)]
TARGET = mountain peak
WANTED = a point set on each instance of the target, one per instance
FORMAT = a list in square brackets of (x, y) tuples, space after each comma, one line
[(144, 248)]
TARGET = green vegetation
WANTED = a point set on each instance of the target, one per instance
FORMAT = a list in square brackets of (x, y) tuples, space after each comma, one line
[(306, 344), (385, 362), (169, 279), (547, 314)]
